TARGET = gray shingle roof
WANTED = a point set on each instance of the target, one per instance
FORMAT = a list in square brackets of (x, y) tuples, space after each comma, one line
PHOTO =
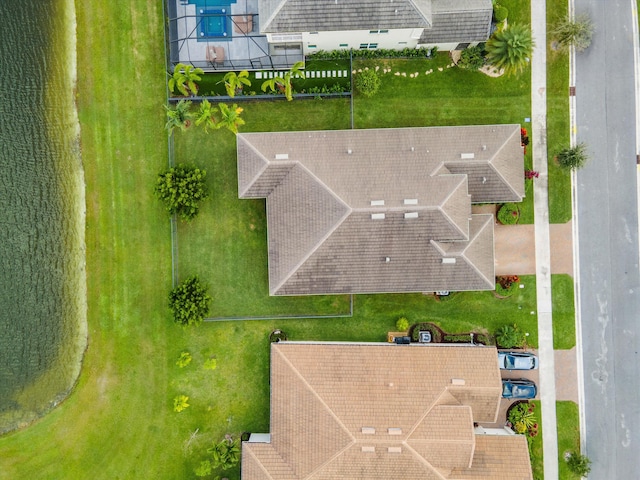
[(295, 16), (368, 211), (333, 405), (459, 21)]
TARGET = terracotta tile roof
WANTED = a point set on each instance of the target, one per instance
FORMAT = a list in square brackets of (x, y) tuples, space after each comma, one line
[(340, 203), (369, 411)]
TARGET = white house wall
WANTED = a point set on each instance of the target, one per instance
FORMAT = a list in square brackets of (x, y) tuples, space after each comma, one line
[(393, 39)]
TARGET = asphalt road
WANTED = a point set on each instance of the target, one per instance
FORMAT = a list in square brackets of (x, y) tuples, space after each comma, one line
[(609, 275)]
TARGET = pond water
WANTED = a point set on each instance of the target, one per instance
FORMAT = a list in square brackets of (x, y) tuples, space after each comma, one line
[(43, 330)]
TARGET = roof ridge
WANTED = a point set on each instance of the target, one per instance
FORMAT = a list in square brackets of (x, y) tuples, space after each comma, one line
[(340, 221), (259, 462), (470, 241), (421, 13), (260, 172), (448, 197), (498, 150), (313, 391), (273, 15), (422, 460)]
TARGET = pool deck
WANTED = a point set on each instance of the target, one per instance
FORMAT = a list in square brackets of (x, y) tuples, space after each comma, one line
[(243, 48)]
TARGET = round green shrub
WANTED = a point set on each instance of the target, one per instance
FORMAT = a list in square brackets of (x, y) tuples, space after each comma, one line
[(367, 83), (402, 324), (500, 13), (508, 214)]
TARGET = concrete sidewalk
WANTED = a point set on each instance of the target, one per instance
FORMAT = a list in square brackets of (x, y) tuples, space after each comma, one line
[(547, 381)]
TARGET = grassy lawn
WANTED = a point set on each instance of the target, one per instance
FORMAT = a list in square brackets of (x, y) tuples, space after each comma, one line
[(568, 439), (535, 446), (119, 421), (557, 122), (564, 325)]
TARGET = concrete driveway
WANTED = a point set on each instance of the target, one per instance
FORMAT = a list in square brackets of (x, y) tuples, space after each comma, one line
[(566, 382), (515, 249)]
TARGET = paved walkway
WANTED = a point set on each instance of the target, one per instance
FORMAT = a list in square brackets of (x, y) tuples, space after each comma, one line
[(547, 382)]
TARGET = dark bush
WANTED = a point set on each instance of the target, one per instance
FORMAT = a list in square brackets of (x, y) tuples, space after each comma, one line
[(457, 338), (472, 58), (509, 336), (277, 335), (484, 339), (375, 53), (506, 285), (508, 214), (436, 333)]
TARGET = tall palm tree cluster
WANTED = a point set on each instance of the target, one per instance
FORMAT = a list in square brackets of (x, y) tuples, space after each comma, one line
[(208, 115)]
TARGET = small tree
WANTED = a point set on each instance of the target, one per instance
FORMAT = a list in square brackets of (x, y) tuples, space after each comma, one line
[(184, 79), (367, 82), (204, 469), (579, 464), (230, 117), (206, 115), (189, 302), (233, 82), (402, 324), (179, 117), (182, 188), (573, 158), (283, 84), (577, 33), (180, 403), (510, 49), (184, 360), (226, 454)]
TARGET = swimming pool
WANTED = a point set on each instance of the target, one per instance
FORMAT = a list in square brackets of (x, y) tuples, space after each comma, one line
[(213, 24)]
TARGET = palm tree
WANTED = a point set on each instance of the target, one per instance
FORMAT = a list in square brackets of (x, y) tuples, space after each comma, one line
[(510, 49), (230, 117), (234, 83), (576, 33), (283, 84), (184, 79), (206, 115), (573, 158), (179, 117)]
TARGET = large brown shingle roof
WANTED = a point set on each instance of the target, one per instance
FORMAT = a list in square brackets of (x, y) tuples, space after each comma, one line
[(379, 411), (297, 16), (368, 211)]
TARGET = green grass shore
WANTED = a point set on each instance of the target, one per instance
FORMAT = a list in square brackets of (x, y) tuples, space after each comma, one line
[(119, 422)]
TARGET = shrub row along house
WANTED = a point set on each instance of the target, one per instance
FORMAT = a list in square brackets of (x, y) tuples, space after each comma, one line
[(381, 210), (382, 411), (266, 34)]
